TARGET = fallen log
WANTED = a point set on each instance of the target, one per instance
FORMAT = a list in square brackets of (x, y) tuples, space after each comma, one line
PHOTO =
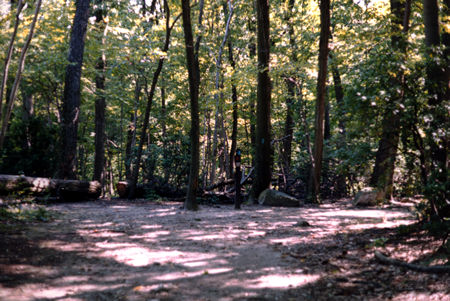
[(69, 190), (415, 267)]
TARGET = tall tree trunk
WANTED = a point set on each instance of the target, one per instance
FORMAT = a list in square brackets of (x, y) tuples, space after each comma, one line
[(263, 153), (288, 125), (341, 186), (150, 95), (131, 132), (9, 53), (18, 78), (383, 172), (286, 153), (100, 101), (234, 99), (194, 81), (252, 96), (217, 96), (164, 129), (437, 83), (72, 91), (320, 102)]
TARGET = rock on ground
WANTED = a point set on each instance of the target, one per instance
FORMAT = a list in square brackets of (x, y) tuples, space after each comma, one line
[(368, 197), (270, 197)]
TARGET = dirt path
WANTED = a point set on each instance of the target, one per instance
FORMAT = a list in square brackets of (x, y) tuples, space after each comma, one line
[(117, 250)]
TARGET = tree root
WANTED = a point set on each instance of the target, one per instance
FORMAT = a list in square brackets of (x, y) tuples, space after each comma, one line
[(415, 267)]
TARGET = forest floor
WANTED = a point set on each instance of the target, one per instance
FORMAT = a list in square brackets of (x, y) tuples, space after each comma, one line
[(137, 250)]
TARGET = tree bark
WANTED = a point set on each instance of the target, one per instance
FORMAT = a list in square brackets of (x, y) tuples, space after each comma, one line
[(290, 84), (18, 78), (234, 99), (194, 81), (415, 267), (217, 95), (100, 101), (263, 150), (383, 172), (131, 132), (65, 189), (72, 91), (9, 53), (341, 186), (252, 96), (320, 102), (437, 84)]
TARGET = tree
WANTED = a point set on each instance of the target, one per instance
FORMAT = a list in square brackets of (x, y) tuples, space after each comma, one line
[(290, 84), (234, 98), (217, 96), (20, 6), (383, 172), (437, 84), (263, 149), (194, 80), (320, 101), (72, 91), (150, 94), (15, 87), (100, 101)]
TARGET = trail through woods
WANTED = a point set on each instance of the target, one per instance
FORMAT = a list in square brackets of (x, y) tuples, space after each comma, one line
[(136, 250)]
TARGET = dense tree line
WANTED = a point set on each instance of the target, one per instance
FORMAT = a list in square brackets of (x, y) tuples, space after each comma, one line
[(323, 98)]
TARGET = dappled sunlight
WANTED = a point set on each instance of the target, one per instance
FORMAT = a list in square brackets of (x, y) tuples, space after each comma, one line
[(226, 253), (150, 236), (65, 291), (138, 256), (359, 219), (283, 281), (63, 246), (149, 227), (185, 275), (287, 241)]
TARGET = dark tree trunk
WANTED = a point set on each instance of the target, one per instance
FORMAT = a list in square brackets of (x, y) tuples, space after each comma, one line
[(339, 93), (320, 102), (437, 83), (383, 172), (71, 102), (234, 98), (164, 131), (194, 81), (290, 84), (263, 153), (100, 102), (288, 125), (252, 97), (341, 186), (131, 133)]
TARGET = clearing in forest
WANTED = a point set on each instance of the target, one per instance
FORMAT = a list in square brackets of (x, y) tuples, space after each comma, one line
[(136, 250)]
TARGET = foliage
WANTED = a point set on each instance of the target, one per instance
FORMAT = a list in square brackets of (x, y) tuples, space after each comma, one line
[(25, 213), (30, 148), (361, 52)]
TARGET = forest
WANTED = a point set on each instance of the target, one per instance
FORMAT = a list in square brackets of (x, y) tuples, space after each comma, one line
[(100, 91), (214, 102)]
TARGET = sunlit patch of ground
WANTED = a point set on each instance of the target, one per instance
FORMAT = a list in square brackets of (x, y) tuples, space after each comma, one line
[(141, 251)]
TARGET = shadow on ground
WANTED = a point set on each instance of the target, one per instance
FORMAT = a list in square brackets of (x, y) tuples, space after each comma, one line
[(118, 250)]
